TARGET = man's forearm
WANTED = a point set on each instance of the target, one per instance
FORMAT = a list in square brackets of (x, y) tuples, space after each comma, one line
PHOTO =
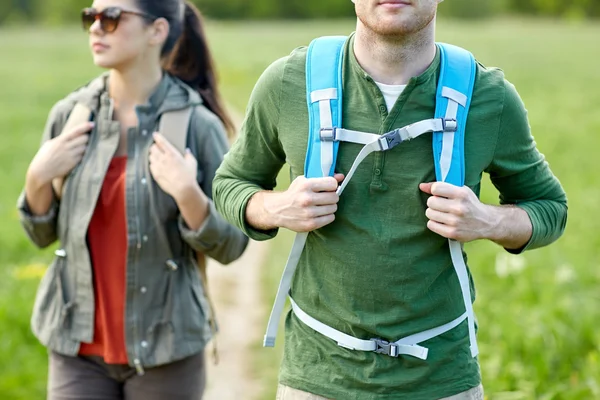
[(257, 214), (510, 226)]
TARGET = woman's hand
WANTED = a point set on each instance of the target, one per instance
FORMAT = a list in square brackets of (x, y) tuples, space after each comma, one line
[(58, 156), (173, 172)]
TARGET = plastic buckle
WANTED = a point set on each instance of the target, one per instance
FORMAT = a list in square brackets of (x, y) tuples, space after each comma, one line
[(449, 124), (391, 140), (387, 348), (327, 134)]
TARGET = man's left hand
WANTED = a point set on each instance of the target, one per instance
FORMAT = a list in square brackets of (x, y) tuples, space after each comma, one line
[(456, 212)]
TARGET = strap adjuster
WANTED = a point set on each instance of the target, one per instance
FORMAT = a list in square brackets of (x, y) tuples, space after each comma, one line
[(449, 125), (327, 134), (387, 348), (390, 140)]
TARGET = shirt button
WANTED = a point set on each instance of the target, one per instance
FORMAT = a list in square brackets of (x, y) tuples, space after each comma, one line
[(144, 344), (382, 108), (143, 181), (377, 172), (145, 238), (143, 289), (144, 132)]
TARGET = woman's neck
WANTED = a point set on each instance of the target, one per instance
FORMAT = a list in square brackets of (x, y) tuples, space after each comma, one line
[(131, 87)]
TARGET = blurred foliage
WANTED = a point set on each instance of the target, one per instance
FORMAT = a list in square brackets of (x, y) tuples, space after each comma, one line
[(59, 11), (472, 9)]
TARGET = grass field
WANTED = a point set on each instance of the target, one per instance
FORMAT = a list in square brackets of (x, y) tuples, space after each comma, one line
[(539, 313)]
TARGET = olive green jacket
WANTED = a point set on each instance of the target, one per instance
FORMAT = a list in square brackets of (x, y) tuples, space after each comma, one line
[(166, 310)]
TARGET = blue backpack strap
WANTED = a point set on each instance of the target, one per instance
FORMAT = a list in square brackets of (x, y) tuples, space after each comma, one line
[(324, 97), (455, 89)]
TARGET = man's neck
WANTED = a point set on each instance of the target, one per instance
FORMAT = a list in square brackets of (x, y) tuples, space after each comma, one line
[(129, 87), (394, 60)]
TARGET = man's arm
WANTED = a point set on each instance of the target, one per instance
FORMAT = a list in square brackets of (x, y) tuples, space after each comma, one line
[(242, 188), (456, 213), (534, 205), (307, 205)]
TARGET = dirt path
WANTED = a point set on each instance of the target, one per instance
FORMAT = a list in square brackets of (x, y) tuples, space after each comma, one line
[(236, 293), (235, 290)]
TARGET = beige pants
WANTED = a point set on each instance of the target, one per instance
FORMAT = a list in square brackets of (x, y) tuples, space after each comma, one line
[(288, 393)]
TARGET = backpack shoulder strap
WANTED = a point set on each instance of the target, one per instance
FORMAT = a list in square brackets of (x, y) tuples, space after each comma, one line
[(174, 126), (455, 88), (453, 99), (79, 115), (324, 98)]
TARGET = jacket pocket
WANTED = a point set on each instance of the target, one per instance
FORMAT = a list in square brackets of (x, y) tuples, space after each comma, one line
[(50, 310)]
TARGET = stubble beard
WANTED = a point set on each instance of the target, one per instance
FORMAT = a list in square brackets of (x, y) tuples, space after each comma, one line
[(411, 28)]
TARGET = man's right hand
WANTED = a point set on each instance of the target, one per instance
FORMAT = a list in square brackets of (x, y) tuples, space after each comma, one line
[(307, 205), (58, 156)]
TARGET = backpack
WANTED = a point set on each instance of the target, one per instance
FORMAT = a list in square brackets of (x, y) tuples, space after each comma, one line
[(173, 125), (324, 98)]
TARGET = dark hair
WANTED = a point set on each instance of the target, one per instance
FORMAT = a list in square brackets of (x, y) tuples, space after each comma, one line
[(186, 54)]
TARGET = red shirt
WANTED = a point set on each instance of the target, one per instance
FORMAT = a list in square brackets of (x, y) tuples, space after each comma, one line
[(107, 240)]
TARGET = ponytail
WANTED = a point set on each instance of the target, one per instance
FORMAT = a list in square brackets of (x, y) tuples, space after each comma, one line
[(185, 53), (192, 62)]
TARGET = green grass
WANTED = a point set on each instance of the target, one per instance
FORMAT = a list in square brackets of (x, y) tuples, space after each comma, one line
[(538, 312)]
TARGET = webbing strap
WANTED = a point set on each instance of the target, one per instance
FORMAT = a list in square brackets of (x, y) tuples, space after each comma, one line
[(406, 346), (457, 79), (455, 247), (284, 287), (455, 99), (408, 132), (375, 143), (463, 277), (324, 98), (448, 141), (352, 343), (364, 152), (326, 121)]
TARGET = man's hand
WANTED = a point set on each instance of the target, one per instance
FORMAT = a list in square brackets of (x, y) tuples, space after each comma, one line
[(456, 213), (307, 205)]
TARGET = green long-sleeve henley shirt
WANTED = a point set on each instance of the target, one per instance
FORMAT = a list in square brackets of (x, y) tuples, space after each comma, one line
[(377, 271)]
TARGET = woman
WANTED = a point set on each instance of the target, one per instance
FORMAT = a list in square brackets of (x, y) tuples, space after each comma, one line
[(122, 309)]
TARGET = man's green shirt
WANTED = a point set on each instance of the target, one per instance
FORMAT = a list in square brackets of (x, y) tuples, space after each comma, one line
[(377, 271)]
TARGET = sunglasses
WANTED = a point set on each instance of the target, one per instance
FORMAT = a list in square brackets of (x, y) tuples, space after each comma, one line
[(109, 17)]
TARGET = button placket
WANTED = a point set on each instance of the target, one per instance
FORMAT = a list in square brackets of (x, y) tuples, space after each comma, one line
[(377, 168)]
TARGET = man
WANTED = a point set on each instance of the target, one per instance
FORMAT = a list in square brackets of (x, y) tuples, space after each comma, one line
[(376, 264)]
